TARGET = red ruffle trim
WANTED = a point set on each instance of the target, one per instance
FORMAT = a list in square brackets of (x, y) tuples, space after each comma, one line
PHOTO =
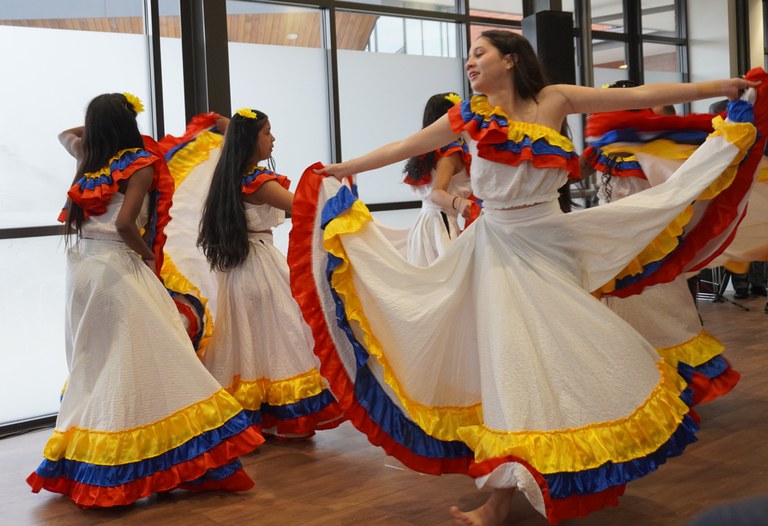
[(303, 288), (492, 134), (237, 481), (264, 177), (556, 509), (722, 211), (164, 185), (329, 417), (594, 160), (94, 202), (88, 496), (646, 121), (707, 389), (198, 123)]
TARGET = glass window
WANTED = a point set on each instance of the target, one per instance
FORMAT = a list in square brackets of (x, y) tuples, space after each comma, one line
[(277, 65), (608, 16), (32, 324), (610, 62), (446, 6), (386, 103), (661, 63), (71, 52), (503, 9), (659, 18), (174, 113)]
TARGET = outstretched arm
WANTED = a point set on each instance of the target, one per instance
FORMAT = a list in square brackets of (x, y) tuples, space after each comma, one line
[(72, 140), (437, 134), (582, 99)]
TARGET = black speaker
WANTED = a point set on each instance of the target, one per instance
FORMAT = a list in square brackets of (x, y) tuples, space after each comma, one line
[(551, 35)]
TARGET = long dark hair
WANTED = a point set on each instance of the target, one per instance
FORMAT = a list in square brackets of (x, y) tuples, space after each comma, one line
[(223, 234), (528, 75), (110, 126), (417, 168)]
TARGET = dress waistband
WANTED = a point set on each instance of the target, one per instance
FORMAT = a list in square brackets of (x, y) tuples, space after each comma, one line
[(260, 236), (102, 236), (523, 214)]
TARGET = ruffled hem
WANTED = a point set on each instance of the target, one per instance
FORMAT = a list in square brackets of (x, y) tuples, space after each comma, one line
[(719, 221), (293, 406), (259, 175), (696, 351), (362, 399), (651, 420), (91, 496), (182, 155), (511, 142)]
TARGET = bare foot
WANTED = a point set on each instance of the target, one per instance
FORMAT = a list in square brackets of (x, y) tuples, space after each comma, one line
[(494, 512)]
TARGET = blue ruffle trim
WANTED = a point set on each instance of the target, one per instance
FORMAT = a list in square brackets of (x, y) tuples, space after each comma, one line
[(109, 476)]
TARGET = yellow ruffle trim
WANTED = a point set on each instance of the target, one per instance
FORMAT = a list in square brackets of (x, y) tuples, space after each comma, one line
[(740, 134), (106, 169), (197, 151), (661, 246), (578, 449), (518, 130), (638, 435), (696, 351), (252, 393), (133, 445), (439, 422), (178, 282), (663, 148)]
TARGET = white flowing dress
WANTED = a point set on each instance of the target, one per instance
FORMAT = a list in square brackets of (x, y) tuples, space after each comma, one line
[(140, 413), (496, 360)]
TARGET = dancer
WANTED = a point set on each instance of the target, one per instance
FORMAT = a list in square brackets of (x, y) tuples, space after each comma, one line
[(261, 349), (496, 360), (441, 180), (140, 414), (664, 314)]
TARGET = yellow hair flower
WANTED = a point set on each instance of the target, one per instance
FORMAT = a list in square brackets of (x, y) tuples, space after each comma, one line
[(134, 101), (247, 113), (452, 97)]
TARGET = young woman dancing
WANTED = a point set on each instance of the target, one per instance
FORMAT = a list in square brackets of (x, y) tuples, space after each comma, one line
[(496, 360), (261, 349), (140, 413)]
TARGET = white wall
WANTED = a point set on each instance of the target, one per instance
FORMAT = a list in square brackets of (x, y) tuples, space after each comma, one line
[(711, 30)]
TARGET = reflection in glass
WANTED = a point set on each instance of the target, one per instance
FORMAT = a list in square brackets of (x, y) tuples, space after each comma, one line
[(265, 39), (502, 9), (386, 103), (608, 16), (32, 325), (53, 72), (610, 62), (659, 18)]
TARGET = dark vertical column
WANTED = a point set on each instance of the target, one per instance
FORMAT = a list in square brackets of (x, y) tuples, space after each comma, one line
[(551, 35), (332, 70), (742, 36), (152, 29), (205, 57), (633, 20)]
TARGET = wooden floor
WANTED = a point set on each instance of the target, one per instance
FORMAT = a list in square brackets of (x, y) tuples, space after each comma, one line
[(337, 478)]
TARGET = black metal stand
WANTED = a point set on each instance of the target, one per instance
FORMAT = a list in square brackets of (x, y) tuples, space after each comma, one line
[(719, 282)]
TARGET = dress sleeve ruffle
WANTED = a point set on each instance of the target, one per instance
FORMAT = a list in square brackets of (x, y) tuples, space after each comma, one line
[(253, 180), (512, 142), (455, 147), (694, 239), (94, 190)]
